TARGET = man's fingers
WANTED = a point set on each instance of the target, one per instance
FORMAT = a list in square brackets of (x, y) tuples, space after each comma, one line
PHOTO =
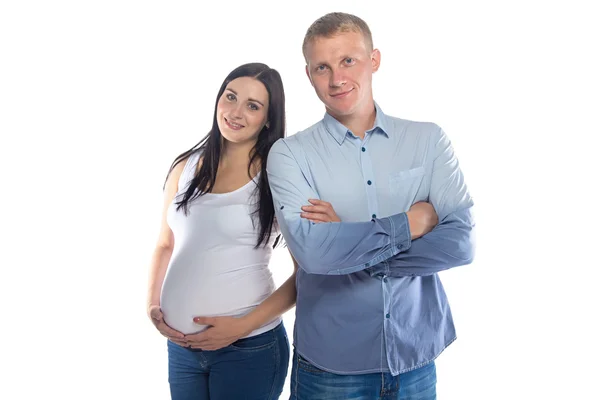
[(316, 217), (317, 209), (317, 202)]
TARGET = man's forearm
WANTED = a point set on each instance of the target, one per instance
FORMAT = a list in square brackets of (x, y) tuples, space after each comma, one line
[(450, 244), (339, 248)]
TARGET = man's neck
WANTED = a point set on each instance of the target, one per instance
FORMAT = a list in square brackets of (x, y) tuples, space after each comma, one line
[(359, 121)]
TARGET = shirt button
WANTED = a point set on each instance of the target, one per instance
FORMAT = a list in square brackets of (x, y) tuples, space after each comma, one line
[(369, 182), (385, 280), (387, 315), (374, 216), (363, 149)]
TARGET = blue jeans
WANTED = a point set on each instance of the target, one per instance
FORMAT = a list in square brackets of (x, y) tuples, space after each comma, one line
[(311, 383), (253, 368)]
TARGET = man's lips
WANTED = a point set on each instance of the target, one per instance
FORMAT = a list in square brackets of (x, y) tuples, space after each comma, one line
[(341, 95)]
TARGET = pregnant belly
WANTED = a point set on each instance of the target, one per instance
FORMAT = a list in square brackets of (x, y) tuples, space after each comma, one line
[(188, 294)]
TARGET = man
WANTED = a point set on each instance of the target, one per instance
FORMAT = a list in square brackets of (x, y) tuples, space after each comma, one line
[(371, 312)]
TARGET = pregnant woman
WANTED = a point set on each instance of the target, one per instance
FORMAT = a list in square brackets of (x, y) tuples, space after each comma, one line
[(212, 257)]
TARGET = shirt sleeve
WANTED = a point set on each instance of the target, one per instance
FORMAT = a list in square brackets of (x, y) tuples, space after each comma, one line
[(335, 248), (452, 242)]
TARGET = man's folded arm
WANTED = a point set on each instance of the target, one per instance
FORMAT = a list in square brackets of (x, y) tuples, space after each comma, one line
[(335, 248), (452, 242)]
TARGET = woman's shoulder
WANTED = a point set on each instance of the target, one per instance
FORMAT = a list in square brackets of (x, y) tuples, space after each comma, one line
[(185, 168)]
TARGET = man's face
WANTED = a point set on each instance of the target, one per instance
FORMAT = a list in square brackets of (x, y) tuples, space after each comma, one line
[(341, 68)]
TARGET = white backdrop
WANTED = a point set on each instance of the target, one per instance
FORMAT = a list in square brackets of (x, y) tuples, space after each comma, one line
[(97, 98)]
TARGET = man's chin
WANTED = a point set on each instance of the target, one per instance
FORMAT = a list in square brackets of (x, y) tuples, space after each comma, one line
[(340, 111)]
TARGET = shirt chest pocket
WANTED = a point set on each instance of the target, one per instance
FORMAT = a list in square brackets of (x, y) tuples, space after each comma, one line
[(404, 186)]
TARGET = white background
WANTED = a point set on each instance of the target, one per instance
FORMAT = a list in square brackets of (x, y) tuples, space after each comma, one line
[(97, 98)]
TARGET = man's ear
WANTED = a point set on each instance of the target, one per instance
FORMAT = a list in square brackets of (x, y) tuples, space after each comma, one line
[(375, 59)]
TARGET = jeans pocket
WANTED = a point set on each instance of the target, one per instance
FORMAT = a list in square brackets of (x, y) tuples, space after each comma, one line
[(305, 366), (260, 342)]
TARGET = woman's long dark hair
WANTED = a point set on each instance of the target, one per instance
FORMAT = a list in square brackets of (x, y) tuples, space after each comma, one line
[(210, 146)]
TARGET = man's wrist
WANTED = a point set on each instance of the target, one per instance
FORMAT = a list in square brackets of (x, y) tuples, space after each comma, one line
[(413, 225)]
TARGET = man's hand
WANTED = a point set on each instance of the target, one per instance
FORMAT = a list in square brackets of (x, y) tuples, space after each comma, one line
[(156, 316), (222, 331), (319, 211), (422, 218)]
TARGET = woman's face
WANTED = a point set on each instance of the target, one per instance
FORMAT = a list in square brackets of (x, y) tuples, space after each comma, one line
[(242, 110)]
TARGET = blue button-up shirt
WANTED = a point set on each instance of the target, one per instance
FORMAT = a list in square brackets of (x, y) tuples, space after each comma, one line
[(369, 298)]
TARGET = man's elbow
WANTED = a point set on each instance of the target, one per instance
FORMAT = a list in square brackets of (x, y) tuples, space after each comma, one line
[(458, 246), (469, 258), (306, 244), (466, 251), (310, 263), (462, 228)]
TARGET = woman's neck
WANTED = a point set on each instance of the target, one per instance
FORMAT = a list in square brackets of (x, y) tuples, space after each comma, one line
[(235, 155)]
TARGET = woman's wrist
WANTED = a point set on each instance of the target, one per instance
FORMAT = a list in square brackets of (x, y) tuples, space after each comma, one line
[(249, 322)]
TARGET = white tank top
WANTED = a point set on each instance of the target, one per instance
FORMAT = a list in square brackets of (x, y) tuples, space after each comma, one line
[(215, 269)]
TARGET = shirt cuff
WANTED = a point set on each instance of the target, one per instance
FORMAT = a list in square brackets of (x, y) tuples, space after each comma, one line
[(400, 233)]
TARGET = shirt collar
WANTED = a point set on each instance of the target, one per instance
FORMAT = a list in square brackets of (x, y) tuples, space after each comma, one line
[(340, 132)]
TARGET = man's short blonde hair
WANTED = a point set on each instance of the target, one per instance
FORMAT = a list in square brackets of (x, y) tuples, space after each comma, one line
[(334, 23)]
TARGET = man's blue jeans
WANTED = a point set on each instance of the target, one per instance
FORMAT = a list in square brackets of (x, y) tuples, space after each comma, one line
[(309, 382)]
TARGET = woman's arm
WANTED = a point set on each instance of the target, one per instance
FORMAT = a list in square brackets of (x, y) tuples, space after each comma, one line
[(282, 300), (225, 330), (160, 260)]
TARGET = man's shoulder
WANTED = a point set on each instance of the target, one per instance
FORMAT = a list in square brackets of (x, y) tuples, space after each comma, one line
[(411, 126), (308, 133), (299, 138), (293, 146)]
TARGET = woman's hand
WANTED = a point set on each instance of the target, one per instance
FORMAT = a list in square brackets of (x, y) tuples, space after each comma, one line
[(156, 316), (222, 331), (319, 211)]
